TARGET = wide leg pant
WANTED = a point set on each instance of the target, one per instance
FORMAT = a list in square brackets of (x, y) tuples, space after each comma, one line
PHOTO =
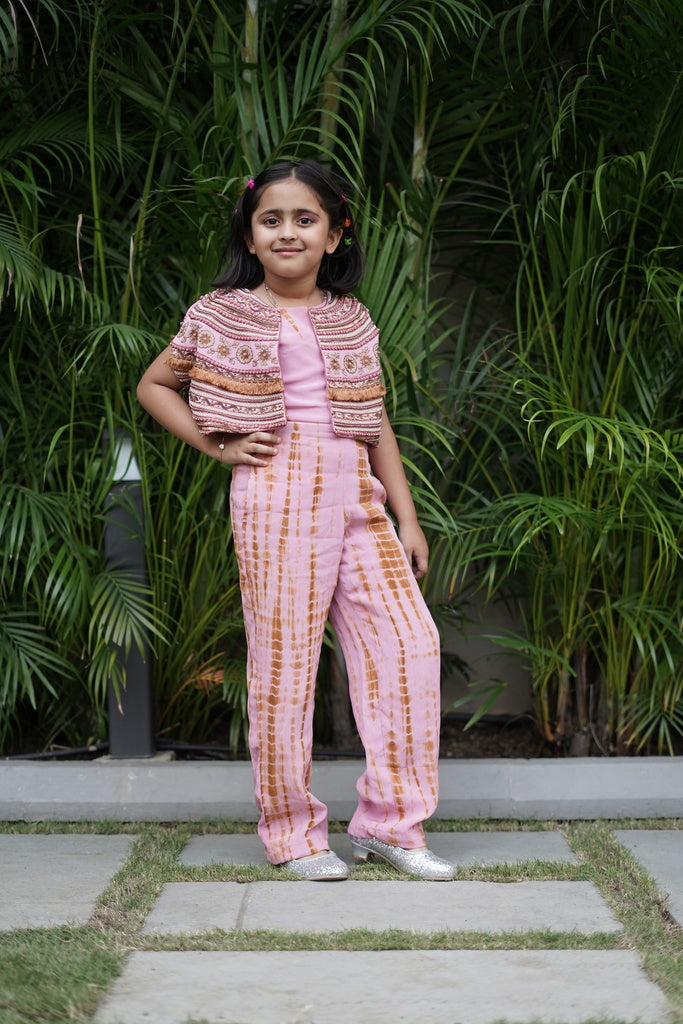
[(312, 539)]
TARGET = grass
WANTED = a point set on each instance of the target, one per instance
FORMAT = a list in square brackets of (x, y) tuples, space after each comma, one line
[(637, 903), (49, 976)]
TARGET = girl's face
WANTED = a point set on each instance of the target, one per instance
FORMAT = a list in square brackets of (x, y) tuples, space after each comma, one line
[(290, 231)]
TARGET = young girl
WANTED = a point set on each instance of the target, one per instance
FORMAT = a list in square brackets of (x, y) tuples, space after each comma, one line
[(283, 382)]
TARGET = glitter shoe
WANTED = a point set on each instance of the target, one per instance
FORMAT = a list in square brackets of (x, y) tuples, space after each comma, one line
[(423, 863), (319, 869)]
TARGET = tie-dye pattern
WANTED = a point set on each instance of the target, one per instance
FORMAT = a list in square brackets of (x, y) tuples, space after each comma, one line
[(312, 540)]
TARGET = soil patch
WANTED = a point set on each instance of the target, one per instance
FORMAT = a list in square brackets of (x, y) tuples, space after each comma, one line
[(505, 737), (517, 737)]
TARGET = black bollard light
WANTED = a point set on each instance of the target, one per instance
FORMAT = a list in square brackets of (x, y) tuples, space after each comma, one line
[(131, 732)]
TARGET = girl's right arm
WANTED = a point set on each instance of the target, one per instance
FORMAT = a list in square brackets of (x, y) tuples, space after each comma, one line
[(159, 393)]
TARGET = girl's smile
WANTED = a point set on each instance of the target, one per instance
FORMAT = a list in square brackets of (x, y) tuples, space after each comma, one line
[(290, 235)]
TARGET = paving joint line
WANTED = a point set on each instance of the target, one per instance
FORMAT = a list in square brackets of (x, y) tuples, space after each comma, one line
[(244, 906)]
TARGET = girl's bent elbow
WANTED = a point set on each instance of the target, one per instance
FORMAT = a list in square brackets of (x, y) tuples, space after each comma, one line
[(143, 391)]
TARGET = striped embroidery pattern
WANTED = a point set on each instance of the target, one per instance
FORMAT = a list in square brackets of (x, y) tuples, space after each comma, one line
[(225, 352)]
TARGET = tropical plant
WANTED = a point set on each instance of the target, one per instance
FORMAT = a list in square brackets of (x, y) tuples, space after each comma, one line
[(600, 384), (517, 168), (119, 189), (581, 518)]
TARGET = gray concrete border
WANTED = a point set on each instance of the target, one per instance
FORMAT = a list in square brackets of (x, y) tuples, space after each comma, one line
[(161, 790)]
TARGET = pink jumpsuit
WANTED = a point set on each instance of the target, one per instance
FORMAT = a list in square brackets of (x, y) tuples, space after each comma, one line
[(313, 540)]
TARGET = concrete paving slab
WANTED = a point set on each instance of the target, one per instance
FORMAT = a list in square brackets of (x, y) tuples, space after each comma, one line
[(462, 848), (661, 854), (384, 987), (48, 881), (161, 790), (491, 848), (378, 905)]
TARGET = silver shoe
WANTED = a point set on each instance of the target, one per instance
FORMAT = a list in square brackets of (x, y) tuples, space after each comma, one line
[(319, 869), (423, 863)]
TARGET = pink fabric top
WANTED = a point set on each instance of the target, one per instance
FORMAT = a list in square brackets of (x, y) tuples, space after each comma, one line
[(303, 369)]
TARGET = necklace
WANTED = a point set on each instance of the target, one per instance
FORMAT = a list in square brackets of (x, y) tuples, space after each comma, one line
[(281, 309), (272, 296)]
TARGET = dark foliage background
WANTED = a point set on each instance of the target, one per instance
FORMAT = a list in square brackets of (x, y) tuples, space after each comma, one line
[(516, 171)]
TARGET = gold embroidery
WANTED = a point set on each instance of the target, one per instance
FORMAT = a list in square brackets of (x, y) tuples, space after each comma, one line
[(180, 365), (244, 354), (239, 385), (238, 358), (360, 394)]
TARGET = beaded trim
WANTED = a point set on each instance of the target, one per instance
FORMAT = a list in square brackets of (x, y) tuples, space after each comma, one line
[(225, 352)]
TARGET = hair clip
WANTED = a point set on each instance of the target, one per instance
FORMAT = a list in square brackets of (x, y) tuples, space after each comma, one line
[(251, 183), (348, 241), (347, 223), (343, 197)]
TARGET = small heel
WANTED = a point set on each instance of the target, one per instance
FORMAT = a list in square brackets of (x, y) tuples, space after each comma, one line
[(359, 853), (420, 862)]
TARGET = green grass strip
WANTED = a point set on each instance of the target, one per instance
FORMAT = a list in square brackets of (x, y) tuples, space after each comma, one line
[(636, 903), (359, 939), (54, 975)]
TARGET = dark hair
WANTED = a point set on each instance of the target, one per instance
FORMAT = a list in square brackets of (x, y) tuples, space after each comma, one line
[(339, 272)]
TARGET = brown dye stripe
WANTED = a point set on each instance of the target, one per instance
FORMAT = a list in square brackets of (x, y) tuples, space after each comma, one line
[(389, 561), (298, 483), (313, 622), (307, 528), (393, 564), (394, 770), (282, 754), (373, 767), (277, 763)]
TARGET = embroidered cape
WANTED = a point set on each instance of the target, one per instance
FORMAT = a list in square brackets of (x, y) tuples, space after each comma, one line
[(225, 352)]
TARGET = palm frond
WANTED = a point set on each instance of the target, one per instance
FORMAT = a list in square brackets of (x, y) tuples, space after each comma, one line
[(28, 659)]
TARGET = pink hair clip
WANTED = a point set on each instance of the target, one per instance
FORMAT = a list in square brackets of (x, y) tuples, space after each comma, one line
[(250, 183), (343, 197)]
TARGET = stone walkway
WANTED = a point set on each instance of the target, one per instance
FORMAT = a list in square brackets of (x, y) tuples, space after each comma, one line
[(49, 880)]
